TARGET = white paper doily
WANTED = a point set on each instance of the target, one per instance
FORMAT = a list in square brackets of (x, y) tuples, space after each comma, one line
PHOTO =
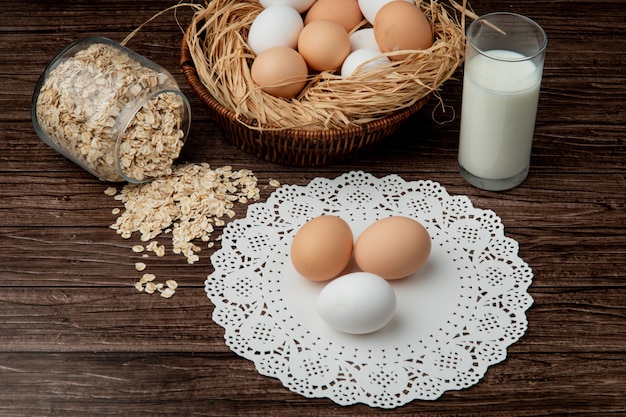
[(453, 321)]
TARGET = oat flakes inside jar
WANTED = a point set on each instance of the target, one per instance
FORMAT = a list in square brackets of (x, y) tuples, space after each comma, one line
[(115, 113)]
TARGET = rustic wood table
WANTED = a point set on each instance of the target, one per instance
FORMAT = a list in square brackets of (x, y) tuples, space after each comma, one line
[(77, 339)]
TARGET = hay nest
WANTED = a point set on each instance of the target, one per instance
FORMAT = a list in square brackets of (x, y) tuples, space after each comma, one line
[(216, 40)]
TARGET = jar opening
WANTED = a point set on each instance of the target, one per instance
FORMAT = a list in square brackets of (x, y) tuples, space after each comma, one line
[(151, 134)]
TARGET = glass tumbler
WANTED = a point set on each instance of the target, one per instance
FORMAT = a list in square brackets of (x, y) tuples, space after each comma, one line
[(112, 111), (503, 70)]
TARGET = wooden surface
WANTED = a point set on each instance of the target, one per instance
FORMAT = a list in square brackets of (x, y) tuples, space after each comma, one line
[(76, 339)]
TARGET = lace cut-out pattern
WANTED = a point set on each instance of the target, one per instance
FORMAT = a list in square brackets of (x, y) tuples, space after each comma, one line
[(455, 318)]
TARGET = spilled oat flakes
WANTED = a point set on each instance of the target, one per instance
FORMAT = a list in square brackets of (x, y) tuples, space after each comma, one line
[(190, 202)]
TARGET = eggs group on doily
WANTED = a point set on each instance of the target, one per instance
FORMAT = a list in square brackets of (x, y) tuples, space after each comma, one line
[(362, 301)]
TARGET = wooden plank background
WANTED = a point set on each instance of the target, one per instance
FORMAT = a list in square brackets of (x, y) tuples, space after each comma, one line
[(76, 339)]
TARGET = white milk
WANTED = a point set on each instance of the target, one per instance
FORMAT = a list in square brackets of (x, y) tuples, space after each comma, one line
[(498, 115)]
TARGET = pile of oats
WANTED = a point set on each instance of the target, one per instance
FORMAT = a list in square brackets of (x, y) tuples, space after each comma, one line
[(87, 102), (188, 203)]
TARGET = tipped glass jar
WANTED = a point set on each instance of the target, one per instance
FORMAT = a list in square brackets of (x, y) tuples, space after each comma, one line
[(113, 112)]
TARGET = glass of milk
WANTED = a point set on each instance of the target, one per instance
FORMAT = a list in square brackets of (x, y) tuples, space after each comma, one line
[(503, 66)]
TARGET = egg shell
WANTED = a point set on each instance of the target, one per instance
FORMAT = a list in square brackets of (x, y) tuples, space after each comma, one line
[(280, 71), (402, 26), (322, 248), (300, 5), (394, 247), (275, 26), (359, 57), (345, 12), (324, 44), (363, 39), (370, 8), (357, 303)]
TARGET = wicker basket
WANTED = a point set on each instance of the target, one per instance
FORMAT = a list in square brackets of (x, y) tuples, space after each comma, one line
[(296, 147)]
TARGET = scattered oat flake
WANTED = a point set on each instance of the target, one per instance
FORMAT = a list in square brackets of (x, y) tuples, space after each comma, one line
[(154, 246), (167, 293), (160, 251), (139, 286), (116, 211), (140, 266), (171, 284), (151, 287), (111, 191), (138, 248), (147, 278), (275, 183)]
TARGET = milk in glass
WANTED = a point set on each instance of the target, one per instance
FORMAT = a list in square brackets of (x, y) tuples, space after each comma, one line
[(500, 99), (503, 66)]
